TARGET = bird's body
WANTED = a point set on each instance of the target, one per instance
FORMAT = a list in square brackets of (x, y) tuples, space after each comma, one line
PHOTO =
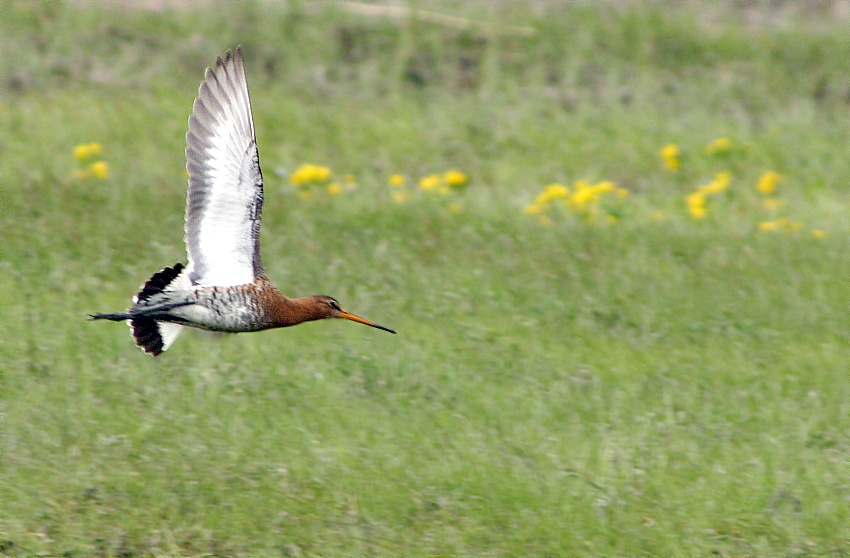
[(224, 287)]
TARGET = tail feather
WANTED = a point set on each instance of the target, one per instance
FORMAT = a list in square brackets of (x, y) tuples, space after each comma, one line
[(152, 336)]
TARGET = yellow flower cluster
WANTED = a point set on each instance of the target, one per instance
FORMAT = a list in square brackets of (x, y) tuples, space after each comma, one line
[(89, 166), (720, 146), (696, 201), (456, 179), (443, 184), (310, 174), (783, 224), (309, 177), (583, 199), (85, 151), (670, 156), (766, 186), (440, 184), (767, 182)]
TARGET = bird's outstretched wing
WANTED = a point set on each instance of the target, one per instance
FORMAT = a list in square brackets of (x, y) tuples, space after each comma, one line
[(225, 200)]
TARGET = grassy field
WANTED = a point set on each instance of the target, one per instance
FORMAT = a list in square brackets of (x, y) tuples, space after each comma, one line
[(657, 366)]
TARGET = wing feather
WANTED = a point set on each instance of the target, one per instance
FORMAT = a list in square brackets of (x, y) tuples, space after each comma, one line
[(225, 200)]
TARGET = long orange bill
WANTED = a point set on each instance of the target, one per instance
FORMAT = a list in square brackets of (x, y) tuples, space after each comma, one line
[(359, 320)]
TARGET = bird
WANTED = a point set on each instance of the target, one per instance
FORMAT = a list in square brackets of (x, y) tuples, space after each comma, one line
[(223, 287)]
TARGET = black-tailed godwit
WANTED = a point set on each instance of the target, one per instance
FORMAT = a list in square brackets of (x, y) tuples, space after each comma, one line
[(223, 287)]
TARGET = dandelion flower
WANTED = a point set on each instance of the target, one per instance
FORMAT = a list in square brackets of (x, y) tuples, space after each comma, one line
[(455, 178), (717, 185), (551, 192), (556, 191), (698, 212), (430, 182), (670, 155), (100, 170), (767, 182), (396, 180), (696, 205), (85, 150), (765, 226), (333, 189), (818, 233), (81, 151), (720, 146), (310, 174)]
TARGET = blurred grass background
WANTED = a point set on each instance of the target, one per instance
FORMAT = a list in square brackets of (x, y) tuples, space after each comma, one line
[(657, 385)]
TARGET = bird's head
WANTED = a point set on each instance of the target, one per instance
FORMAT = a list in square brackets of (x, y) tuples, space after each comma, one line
[(328, 307)]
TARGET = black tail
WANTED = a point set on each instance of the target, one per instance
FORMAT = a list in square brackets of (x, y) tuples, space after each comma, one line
[(113, 317), (146, 330)]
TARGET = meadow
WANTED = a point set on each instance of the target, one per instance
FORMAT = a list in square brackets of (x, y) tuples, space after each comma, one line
[(611, 237)]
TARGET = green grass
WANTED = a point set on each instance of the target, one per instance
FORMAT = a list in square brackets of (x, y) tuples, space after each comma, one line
[(651, 386)]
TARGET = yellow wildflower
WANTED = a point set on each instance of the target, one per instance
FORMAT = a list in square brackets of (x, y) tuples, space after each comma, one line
[(581, 197), (767, 182), (612, 219), (99, 170), (333, 189), (670, 155), (551, 192), (85, 150), (430, 182), (717, 185), (455, 208), (310, 174), (81, 151), (696, 205), (396, 180), (818, 233), (456, 178), (556, 191), (768, 226), (698, 212), (719, 146), (622, 193)]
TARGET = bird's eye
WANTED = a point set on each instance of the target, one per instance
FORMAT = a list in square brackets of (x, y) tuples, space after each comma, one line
[(334, 304)]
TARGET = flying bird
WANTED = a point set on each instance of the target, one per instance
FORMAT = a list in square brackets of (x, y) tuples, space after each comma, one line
[(223, 287)]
